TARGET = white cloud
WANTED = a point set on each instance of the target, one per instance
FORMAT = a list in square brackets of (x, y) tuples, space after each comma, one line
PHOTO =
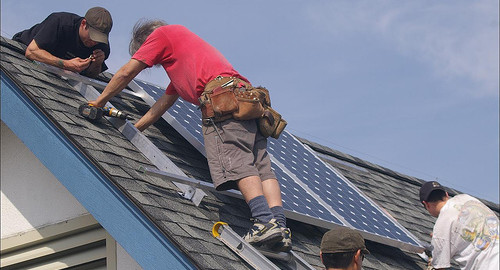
[(457, 39)]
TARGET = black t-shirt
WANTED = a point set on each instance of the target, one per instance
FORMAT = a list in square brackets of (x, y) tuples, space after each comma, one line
[(58, 34)]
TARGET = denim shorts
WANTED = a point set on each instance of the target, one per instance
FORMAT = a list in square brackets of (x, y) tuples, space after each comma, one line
[(235, 150)]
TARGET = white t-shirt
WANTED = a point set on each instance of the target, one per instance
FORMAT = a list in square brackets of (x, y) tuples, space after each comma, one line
[(467, 231)]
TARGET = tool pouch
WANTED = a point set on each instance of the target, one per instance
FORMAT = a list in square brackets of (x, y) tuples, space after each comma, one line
[(249, 104), (206, 106), (242, 102), (271, 123), (263, 95), (281, 126), (223, 101)]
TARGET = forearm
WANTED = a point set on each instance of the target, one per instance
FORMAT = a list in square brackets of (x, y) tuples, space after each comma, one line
[(76, 64), (147, 120), (156, 111), (43, 56), (119, 81)]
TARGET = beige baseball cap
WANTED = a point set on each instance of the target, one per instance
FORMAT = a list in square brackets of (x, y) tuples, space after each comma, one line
[(100, 24), (343, 239)]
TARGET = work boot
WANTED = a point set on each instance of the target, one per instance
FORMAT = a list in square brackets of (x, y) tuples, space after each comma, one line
[(263, 233), (285, 245)]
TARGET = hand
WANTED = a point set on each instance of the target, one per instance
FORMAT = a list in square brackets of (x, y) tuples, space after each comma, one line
[(96, 59), (97, 56), (77, 64), (95, 103), (429, 264)]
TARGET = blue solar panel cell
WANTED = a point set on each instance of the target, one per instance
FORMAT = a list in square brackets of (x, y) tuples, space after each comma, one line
[(296, 199), (189, 116), (154, 91)]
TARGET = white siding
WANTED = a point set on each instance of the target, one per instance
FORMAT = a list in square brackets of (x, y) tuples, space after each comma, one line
[(31, 196)]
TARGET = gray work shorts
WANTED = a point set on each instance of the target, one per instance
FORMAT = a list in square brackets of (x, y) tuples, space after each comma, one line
[(241, 153)]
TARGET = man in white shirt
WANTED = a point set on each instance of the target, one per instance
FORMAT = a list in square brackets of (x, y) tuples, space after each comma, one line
[(466, 230)]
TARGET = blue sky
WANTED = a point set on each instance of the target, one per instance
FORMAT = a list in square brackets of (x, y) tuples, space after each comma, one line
[(409, 85)]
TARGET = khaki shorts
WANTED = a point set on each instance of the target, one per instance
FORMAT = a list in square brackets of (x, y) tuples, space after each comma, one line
[(241, 153)]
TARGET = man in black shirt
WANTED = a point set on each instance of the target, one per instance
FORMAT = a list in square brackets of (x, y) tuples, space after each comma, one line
[(71, 42)]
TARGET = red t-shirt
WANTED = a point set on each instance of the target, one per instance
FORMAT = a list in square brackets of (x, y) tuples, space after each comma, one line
[(189, 61)]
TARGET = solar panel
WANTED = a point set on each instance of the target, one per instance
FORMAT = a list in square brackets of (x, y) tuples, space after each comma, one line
[(295, 199), (183, 116), (351, 204), (309, 186), (153, 90)]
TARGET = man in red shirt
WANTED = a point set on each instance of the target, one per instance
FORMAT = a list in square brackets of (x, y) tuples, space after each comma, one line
[(236, 151)]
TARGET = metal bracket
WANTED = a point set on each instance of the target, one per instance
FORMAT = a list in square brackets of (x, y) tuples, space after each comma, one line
[(194, 194)]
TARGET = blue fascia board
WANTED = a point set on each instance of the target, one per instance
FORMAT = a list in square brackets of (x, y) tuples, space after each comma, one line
[(107, 204)]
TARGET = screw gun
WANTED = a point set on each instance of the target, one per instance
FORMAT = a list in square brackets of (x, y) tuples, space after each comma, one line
[(95, 113)]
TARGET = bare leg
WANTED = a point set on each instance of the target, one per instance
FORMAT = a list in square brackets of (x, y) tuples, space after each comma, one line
[(272, 192), (250, 187)]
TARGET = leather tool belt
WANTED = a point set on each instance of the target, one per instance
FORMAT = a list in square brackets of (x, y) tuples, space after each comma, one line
[(230, 97)]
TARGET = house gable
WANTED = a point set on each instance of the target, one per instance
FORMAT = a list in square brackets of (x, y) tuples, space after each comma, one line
[(140, 237)]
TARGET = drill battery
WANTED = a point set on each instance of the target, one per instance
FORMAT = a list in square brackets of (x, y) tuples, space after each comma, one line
[(95, 113)]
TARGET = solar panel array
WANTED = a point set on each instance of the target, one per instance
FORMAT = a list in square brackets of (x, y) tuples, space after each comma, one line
[(349, 203), (309, 186)]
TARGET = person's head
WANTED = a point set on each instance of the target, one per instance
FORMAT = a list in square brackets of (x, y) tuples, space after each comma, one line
[(95, 27), (343, 248), (142, 29), (433, 196)]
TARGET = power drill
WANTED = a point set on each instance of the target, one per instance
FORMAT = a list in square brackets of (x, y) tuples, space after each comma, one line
[(95, 113)]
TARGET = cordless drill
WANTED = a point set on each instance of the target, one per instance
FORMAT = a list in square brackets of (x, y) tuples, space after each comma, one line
[(95, 113)]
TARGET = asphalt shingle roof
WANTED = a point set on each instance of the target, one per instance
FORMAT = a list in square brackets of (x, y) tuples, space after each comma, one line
[(179, 219)]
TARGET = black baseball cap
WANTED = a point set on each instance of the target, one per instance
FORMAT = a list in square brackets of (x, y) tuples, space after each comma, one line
[(427, 188), (343, 239), (100, 24)]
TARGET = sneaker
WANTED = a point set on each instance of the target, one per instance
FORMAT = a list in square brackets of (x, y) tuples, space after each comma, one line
[(264, 233), (285, 245)]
